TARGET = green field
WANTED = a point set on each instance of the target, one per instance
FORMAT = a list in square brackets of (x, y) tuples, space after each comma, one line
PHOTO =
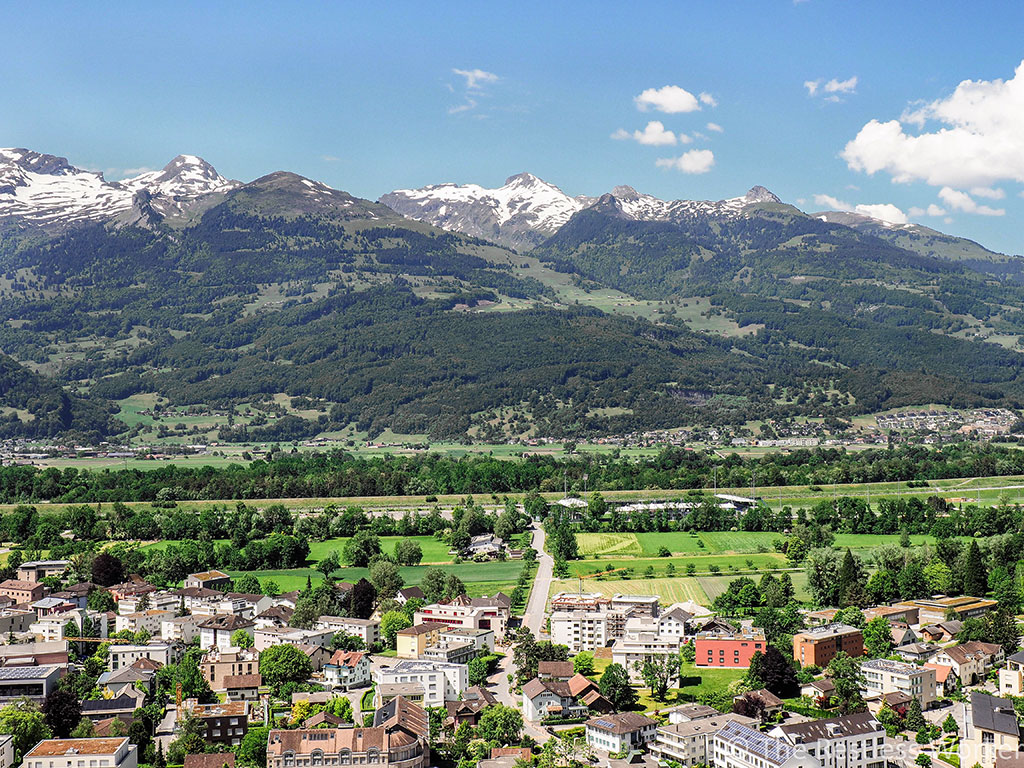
[(486, 578), (702, 564), (434, 551), (676, 590)]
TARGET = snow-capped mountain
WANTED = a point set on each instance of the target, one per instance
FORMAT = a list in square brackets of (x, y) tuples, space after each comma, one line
[(47, 191), (527, 210), (522, 213)]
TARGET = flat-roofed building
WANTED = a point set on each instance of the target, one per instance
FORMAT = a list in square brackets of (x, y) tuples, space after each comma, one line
[(225, 723), (33, 683), (817, 646), (78, 753), (1011, 677), (441, 682), (935, 610), (728, 649), (412, 642), (36, 570), (739, 746), (367, 630), (882, 676)]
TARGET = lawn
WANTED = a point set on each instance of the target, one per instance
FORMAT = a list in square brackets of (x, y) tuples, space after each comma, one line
[(434, 551), (871, 540), (675, 590), (675, 541), (479, 578), (738, 541), (759, 562)]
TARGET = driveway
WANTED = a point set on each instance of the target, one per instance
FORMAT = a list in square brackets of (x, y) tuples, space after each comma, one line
[(536, 607)]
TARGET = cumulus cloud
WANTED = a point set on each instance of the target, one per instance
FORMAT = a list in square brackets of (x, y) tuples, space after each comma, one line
[(830, 90), (695, 161), (883, 211), (931, 210), (707, 99), (976, 138), (961, 201), (671, 100), (476, 78), (653, 135), (991, 194), (715, 127)]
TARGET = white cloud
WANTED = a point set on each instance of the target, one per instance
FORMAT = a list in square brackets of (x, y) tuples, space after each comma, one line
[(961, 201), (475, 78), (830, 90), (330, 158), (841, 86), (988, 192), (931, 210), (468, 106), (715, 127), (671, 99), (707, 99), (977, 139), (694, 161), (130, 172), (654, 135), (883, 211)]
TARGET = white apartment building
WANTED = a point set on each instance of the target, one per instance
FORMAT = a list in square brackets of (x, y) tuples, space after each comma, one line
[(631, 651), (441, 682), (882, 676), (851, 741), (586, 630), (367, 630), (687, 743), (620, 732), (271, 636), (6, 750), (78, 753), (180, 629), (738, 746), (126, 655), (150, 621), (1011, 677), (162, 601)]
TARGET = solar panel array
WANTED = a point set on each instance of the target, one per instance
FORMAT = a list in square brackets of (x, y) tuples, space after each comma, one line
[(755, 742)]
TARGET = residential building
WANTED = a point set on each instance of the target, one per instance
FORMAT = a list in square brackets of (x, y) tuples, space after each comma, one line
[(631, 652), (452, 653), (943, 632), (687, 713), (180, 629), (1011, 677), (470, 613), (555, 670), (34, 654), (15, 620), (621, 732), (151, 621), (126, 655), (36, 570), (6, 750), (22, 592), (208, 580), (760, 703), (882, 676), (225, 723), (901, 634), (218, 664), (122, 707), (817, 646), (367, 630), (151, 600), (347, 669), (820, 691), (970, 661), (850, 741), (412, 642), (216, 631), (33, 683), (991, 731), (579, 601), (405, 594), (398, 738), (469, 708), (739, 746), (486, 545), (728, 649), (589, 694), (482, 640), (586, 630), (946, 681), (274, 616), (686, 742), (550, 698), (76, 753), (916, 651), (441, 682), (242, 687), (271, 636), (637, 605)]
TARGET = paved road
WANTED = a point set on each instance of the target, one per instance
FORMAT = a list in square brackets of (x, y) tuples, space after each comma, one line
[(533, 618), (536, 608)]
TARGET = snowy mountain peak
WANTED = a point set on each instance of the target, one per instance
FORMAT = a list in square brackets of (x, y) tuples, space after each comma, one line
[(522, 213), (183, 179)]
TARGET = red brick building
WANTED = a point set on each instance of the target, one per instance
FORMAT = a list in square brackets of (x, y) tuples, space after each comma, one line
[(728, 649), (817, 646)]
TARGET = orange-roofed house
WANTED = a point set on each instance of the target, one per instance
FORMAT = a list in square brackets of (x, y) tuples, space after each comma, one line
[(70, 753)]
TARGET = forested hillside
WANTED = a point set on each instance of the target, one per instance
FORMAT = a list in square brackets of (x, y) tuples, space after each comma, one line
[(287, 286)]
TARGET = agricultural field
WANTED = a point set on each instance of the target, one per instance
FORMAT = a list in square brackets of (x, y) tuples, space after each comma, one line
[(675, 590), (612, 566), (434, 551)]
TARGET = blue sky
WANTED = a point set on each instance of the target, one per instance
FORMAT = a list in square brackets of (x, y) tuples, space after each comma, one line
[(366, 97)]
